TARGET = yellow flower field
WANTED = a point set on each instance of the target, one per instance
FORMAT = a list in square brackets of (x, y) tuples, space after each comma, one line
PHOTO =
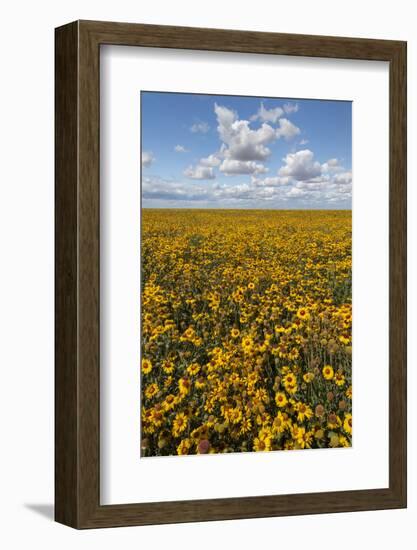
[(246, 330)]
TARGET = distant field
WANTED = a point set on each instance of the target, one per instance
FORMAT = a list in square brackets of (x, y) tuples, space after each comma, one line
[(246, 330)]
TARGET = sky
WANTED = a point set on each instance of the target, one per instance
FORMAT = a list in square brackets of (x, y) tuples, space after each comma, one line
[(213, 151)]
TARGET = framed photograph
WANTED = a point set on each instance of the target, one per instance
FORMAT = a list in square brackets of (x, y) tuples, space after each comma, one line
[(230, 274)]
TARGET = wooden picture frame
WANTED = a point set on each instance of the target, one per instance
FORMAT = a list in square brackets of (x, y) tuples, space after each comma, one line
[(77, 382)]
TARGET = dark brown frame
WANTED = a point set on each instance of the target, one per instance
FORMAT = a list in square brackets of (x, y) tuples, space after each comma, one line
[(77, 502)]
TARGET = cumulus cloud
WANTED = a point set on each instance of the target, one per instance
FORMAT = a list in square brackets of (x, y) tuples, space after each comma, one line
[(332, 162), (300, 166), (290, 108), (268, 115), (157, 191), (274, 181), (212, 160), (296, 192), (200, 128), (180, 149), (240, 141), (311, 182), (233, 191), (242, 147), (232, 167), (147, 158), (200, 172), (287, 129), (316, 184), (244, 192), (332, 165), (338, 193), (343, 178), (244, 150)]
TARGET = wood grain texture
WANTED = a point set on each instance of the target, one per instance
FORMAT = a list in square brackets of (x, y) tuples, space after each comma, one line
[(78, 284), (398, 273), (66, 237)]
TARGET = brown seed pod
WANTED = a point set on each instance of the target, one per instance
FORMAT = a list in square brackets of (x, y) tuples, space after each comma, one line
[(319, 410), (203, 446), (332, 418)]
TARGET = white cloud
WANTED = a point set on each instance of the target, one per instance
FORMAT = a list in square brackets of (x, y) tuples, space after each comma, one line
[(268, 115), (200, 127), (300, 166), (272, 115), (147, 158), (241, 142), (343, 178), (235, 191), (323, 178), (245, 147), (287, 129), (274, 181), (338, 192), (156, 188), (290, 108), (157, 191), (211, 160), (180, 149), (316, 184), (333, 162), (296, 192), (232, 167), (257, 195), (244, 192), (200, 172), (332, 165)]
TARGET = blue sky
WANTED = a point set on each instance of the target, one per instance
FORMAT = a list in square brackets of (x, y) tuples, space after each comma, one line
[(209, 151)]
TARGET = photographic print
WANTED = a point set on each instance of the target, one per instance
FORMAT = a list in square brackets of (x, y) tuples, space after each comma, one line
[(246, 274)]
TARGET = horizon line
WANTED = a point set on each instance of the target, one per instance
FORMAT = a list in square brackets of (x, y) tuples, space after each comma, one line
[(219, 208)]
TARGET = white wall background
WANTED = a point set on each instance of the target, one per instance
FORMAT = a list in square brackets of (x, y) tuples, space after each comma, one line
[(26, 272)]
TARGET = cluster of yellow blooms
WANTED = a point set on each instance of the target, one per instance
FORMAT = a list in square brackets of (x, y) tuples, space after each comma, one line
[(246, 331)]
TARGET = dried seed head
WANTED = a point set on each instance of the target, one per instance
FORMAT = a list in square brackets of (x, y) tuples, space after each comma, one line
[(332, 418), (204, 446)]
